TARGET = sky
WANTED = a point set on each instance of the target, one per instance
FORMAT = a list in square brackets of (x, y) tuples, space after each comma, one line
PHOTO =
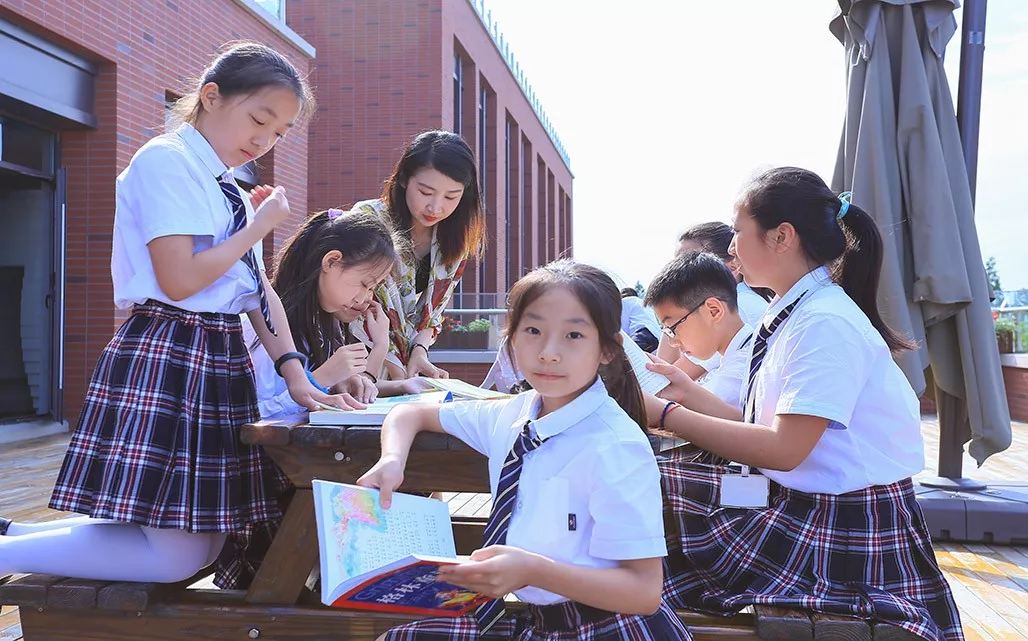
[(668, 108)]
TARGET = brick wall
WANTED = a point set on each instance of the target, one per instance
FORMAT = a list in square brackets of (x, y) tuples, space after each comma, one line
[(473, 373), (377, 80), (144, 48)]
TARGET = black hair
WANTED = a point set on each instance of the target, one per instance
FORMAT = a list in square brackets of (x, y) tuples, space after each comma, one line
[(851, 246), (628, 291), (690, 279), (713, 237), (716, 237), (462, 233), (363, 238), (601, 298), (241, 70)]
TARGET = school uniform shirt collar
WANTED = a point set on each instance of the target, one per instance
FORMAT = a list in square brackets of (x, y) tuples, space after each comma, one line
[(574, 412), (203, 150), (742, 338), (812, 281)]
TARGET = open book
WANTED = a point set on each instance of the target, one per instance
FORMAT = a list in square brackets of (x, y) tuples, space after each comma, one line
[(375, 412), (651, 382), (465, 390), (386, 560)]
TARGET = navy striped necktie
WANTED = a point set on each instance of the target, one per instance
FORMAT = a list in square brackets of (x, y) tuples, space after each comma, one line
[(490, 612), (231, 191), (760, 350)]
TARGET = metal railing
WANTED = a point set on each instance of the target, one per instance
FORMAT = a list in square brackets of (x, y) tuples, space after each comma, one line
[(492, 27), (474, 329)]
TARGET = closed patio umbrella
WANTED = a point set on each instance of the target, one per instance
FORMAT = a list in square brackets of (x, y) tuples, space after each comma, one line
[(901, 157)]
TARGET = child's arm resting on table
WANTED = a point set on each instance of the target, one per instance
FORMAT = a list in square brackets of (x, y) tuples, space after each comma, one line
[(400, 427), (633, 587)]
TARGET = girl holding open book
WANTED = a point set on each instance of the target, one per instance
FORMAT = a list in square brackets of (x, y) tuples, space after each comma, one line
[(576, 529), (830, 522)]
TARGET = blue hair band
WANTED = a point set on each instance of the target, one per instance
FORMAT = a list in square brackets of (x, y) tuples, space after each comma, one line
[(845, 198)]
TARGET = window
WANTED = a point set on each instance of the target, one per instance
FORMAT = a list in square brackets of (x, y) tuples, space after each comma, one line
[(276, 8), (27, 147), (458, 91), (506, 200)]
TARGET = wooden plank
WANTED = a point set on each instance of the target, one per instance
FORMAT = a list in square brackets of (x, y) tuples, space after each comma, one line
[(222, 615), (975, 610), (74, 593), (886, 632), (838, 628), (781, 624), (316, 436), (272, 431), (293, 553), (465, 470), (28, 591), (128, 597)]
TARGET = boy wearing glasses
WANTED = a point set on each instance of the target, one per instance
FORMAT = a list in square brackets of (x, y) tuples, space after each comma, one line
[(696, 301)]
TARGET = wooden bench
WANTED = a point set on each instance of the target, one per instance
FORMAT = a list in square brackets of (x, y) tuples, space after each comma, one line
[(61, 609)]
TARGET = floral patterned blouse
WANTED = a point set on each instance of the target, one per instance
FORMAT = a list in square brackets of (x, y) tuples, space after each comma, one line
[(410, 312)]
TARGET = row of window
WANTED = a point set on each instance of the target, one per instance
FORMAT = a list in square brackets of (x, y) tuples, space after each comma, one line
[(552, 203)]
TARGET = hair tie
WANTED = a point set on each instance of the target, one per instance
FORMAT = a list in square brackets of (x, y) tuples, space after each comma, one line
[(845, 198), (334, 213)]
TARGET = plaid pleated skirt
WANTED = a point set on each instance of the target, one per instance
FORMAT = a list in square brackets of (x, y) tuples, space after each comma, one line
[(864, 554), (564, 621), (157, 443)]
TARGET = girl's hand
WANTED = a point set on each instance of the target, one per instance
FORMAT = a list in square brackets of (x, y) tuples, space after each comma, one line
[(378, 323), (346, 362), (414, 385), (681, 385), (306, 395), (494, 571), (359, 387), (419, 365), (273, 210), (259, 194), (386, 476)]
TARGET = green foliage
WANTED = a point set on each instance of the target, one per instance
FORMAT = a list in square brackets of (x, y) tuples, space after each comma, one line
[(992, 274), (479, 325)]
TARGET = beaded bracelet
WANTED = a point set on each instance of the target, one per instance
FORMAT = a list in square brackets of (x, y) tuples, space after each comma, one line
[(670, 407)]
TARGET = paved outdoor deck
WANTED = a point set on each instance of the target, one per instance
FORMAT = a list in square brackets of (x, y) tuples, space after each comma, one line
[(990, 582)]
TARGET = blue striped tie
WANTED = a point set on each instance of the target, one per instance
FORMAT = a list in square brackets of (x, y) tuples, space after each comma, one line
[(228, 187), (490, 612), (760, 349)]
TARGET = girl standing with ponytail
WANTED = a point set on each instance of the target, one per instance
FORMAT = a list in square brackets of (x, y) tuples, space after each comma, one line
[(828, 521), (576, 529)]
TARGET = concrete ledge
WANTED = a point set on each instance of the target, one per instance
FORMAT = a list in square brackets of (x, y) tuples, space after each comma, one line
[(463, 355), (277, 25), (27, 430), (1019, 361)]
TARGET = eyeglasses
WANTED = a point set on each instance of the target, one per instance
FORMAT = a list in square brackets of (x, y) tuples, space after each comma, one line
[(669, 331)]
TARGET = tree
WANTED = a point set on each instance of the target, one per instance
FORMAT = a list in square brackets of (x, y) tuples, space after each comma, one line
[(992, 274), (640, 289)]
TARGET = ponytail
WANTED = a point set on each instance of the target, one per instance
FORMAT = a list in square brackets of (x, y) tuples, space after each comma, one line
[(860, 269), (623, 386)]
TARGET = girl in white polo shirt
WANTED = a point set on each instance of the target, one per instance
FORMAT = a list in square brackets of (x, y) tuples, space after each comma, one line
[(576, 528), (155, 465), (831, 522)]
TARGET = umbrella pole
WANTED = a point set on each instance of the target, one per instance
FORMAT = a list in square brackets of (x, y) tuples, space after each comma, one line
[(953, 410)]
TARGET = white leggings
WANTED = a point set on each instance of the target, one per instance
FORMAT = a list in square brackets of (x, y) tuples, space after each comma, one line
[(85, 548)]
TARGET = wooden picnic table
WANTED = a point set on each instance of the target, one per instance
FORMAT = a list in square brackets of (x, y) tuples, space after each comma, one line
[(437, 463)]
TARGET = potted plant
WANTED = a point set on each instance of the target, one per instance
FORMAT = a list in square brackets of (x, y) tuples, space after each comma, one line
[(449, 334), (1005, 328), (476, 334)]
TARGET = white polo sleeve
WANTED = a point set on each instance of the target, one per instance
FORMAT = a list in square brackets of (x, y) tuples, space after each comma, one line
[(827, 362), (474, 422), (625, 504), (165, 197)]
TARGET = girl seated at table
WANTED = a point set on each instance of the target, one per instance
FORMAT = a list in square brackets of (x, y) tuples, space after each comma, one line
[(576, 529), (830, 523)]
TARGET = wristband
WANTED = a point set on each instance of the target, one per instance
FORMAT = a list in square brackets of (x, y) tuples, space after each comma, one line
[(670, 407), (310, 377), (414, 346), (288, 356), (374, 379)]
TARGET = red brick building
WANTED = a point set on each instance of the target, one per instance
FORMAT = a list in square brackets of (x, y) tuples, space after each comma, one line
[(387, 70), (84, 83)]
